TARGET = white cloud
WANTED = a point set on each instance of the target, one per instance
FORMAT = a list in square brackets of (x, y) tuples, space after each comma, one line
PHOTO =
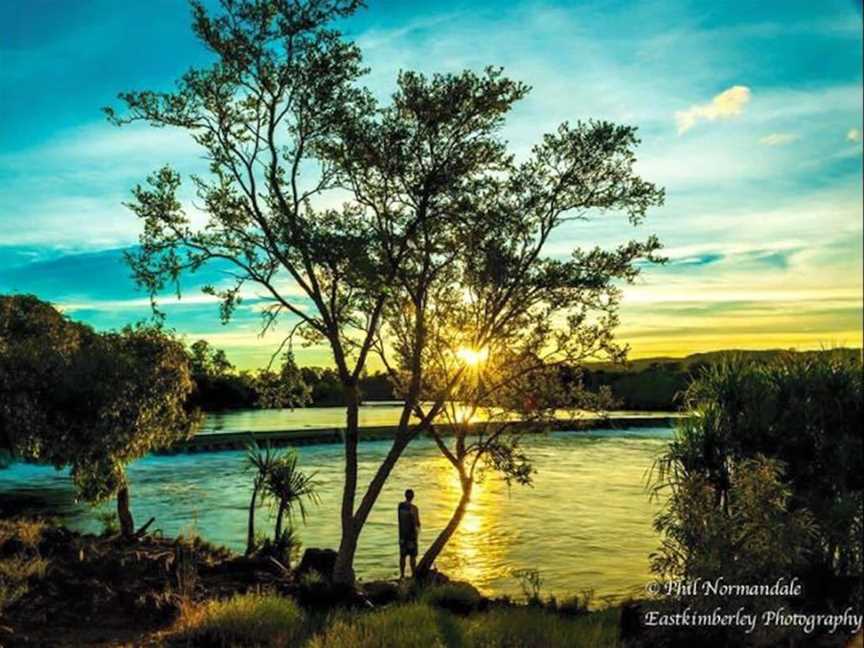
[(779, 139), (729, 103), (854, 135)]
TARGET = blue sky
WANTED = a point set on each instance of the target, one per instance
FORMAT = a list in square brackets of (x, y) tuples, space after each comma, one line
[(750, 116)]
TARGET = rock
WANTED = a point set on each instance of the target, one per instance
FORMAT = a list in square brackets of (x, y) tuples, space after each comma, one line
[(435, 577), (381, 592), (321, 561)]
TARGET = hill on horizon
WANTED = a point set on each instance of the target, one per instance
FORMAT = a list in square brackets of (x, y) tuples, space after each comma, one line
[(707, 357)]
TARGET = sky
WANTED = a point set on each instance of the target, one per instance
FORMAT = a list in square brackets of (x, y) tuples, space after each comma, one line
[(750, 116)]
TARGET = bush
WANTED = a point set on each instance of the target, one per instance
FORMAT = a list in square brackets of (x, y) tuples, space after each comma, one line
[(26, 533), (405, 626), (110, 523), (460, 598), (21, 563), (801, 411), (764, 481), (537, 628), (243, 620)]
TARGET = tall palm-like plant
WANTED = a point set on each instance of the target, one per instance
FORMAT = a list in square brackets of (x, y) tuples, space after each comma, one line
[(261, 462), (290, 488)]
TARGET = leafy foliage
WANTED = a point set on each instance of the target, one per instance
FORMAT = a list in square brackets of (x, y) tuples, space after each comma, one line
[(278, 479), (439, 209), (93, 402), (753, 539), (765, 479)]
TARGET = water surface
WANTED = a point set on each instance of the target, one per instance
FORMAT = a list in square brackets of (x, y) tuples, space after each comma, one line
[(371, 414), (585, 524)]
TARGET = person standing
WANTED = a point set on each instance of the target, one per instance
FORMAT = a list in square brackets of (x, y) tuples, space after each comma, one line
[(409, 528)]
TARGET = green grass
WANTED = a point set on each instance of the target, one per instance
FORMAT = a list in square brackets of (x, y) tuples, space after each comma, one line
[(20, 569), (537, 628), (243, 620), (406, 626), (28, 532), (272, 620)]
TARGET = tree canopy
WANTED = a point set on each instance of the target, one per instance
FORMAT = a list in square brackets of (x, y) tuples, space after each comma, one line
[(92, 402), (437, 208)]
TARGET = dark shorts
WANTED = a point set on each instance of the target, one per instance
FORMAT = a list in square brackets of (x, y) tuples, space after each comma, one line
[(408, 547)]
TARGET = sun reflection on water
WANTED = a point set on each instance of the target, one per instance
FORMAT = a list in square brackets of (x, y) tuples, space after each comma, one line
[(474, 553)]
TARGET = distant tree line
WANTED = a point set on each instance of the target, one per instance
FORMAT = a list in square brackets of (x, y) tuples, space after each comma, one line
[(652, 384), (220, 386)]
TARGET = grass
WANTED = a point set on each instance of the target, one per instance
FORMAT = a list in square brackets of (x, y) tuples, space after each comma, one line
[(23, 566), (537, 628), (243, 620), (407, 626), (273, 620), (460, 598), (27, 532)]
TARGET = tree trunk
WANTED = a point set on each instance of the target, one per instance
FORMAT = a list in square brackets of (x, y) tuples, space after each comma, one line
[(124, 515), (277, 534), (403, 438), (343, 571), (250, 529), (377, 484), (447, 532)]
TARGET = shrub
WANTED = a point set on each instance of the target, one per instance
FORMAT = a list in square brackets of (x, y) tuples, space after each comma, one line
[(764, 481), (28, 533), (15, 575), (460, 598), (243, 620), (22, 564), (537, 628), (406, 626), (531, 584), (801, 411)]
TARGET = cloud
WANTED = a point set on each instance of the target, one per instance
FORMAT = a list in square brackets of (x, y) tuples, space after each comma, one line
[(729, 103), (854, 135), (779, 139)]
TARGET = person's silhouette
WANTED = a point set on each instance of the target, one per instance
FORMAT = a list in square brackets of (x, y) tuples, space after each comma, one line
[(409, 527)]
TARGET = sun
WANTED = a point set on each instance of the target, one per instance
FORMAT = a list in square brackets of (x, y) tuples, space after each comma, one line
[(472, 357)]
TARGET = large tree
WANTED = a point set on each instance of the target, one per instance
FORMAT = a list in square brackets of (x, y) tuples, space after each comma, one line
[(431, 185), (92, 402), (282, 121), (422, 160), (281, 85), (503, 317)]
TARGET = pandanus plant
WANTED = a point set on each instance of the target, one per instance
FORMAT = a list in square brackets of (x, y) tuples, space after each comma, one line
[(261, 462), (289, 488), (278, 479)]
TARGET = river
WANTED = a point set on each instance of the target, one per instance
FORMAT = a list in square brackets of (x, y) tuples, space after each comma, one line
[(586, 523)]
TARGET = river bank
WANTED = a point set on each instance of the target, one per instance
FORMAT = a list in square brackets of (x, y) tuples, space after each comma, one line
[(62, 588)]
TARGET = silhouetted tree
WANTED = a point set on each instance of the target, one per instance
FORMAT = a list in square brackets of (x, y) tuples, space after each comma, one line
[(281, 97), (500, 306), (420, 161)]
